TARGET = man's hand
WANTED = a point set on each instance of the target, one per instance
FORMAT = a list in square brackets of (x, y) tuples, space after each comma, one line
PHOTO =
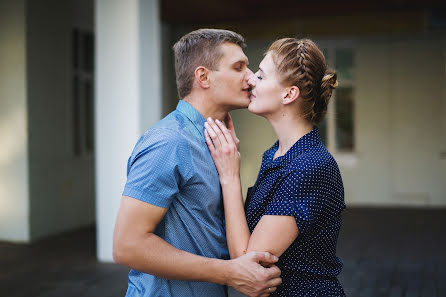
[(251, 278)]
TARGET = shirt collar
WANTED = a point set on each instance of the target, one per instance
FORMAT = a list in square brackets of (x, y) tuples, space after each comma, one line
[(192, 114), (310, 139)]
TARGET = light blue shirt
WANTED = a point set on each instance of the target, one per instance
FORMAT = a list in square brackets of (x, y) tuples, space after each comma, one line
[(171, 167)]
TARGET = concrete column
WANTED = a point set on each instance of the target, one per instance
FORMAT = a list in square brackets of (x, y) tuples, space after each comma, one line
[(150, 63), (14, 167), (128, 99)]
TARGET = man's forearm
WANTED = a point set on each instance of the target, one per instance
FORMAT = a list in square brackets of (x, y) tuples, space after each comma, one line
[(155, 256)]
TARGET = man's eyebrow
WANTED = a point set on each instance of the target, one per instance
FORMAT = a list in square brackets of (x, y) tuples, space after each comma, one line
[(241, 61), (261, 70)]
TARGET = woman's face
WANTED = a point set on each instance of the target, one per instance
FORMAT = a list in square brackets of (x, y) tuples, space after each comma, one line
[(267, 91)]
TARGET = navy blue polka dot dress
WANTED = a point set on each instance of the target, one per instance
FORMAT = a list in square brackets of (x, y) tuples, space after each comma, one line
[(304, 183)]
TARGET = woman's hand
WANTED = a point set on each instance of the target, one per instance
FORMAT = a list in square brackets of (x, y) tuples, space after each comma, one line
[(230, 126), (223, 150)]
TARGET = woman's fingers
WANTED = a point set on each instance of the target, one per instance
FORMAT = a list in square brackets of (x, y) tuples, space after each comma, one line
[(225, 132), (223, 151), (230, 126), (209, 142), (215, 132), (212, 134), (221, 137), (218, 131)]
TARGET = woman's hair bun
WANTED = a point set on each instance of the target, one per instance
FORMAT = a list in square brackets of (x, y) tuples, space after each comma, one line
[(329, 82)]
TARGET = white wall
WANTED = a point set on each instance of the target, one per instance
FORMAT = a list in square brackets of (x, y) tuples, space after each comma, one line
[(368, 181), (14, 190), (417, 133), (128, 99), (61, 184), (399, 132)]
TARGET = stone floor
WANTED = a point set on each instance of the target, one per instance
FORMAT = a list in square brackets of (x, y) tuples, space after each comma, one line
[(386, 252)]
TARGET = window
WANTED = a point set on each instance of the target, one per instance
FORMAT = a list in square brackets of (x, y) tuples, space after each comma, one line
[(83, 92), (337, 128)]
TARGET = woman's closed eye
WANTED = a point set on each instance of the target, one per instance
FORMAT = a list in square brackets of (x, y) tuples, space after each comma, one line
[(258, 75)]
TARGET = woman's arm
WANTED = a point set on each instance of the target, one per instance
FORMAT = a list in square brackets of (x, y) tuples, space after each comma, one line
[(237, 231), (272, 233), (227, 161)]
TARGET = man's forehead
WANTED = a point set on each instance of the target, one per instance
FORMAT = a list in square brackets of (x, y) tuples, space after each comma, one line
[(233, 53), (241, 59)]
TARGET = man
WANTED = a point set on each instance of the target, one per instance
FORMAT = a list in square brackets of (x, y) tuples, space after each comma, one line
[(170, 228)]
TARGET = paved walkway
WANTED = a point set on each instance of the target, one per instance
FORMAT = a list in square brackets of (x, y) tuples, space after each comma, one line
[(386, 252)]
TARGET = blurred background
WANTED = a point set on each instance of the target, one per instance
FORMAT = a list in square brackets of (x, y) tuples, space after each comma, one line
[(81, 80)]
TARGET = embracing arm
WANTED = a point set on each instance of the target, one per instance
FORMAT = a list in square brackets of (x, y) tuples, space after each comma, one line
[(136, 246), (273, 233)]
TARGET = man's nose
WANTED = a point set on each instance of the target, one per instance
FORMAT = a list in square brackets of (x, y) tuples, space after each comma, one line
[(249, 73), (251, 79)]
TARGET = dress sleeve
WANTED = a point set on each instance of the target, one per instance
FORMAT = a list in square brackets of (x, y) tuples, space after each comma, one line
[(158, 167), (302, 194)]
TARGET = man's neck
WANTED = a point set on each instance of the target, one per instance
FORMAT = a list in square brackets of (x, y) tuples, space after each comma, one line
[(206, 107)]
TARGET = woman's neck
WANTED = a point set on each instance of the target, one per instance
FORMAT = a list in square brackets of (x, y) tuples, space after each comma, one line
[(289, 129)]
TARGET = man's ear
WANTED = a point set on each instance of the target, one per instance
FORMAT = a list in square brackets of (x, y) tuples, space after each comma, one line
[(202, 77), (290, 95)]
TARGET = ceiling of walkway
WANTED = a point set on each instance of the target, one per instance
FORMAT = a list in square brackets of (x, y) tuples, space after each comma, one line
[(210, 11)]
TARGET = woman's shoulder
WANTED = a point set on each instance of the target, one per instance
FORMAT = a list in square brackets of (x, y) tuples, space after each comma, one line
[(314, 161)]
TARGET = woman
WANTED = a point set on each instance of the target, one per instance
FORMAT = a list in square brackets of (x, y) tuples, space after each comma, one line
[(294, 209)]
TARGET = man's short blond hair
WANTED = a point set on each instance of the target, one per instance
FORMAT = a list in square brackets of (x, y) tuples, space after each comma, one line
[(200, 48)]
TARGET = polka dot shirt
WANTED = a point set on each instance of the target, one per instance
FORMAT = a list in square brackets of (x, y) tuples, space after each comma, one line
[(304, 183)]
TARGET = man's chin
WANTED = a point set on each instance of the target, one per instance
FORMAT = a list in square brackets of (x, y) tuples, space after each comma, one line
[(241, 104)]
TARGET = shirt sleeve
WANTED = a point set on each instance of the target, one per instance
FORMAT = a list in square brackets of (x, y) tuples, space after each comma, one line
[(304, 194), (158, 167)]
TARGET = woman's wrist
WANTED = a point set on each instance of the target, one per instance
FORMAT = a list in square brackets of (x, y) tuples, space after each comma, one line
[(230, 180)]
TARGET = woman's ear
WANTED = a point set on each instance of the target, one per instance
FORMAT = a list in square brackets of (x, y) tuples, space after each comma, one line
[(290, 95), (201, 76)]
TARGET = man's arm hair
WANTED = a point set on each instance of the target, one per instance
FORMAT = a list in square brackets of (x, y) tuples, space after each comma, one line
[(136, 246)]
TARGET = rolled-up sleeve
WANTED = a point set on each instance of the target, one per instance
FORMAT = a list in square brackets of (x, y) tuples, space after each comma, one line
[(158, 167), (299, 194)]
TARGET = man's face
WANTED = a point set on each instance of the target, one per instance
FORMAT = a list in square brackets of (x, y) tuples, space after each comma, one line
[(229, 83)]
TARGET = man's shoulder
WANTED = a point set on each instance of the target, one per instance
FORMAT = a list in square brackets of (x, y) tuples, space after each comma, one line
[(174, 121), (165, 136), (170, 128)]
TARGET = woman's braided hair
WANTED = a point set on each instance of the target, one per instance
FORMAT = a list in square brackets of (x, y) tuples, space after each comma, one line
[(301, 63)]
